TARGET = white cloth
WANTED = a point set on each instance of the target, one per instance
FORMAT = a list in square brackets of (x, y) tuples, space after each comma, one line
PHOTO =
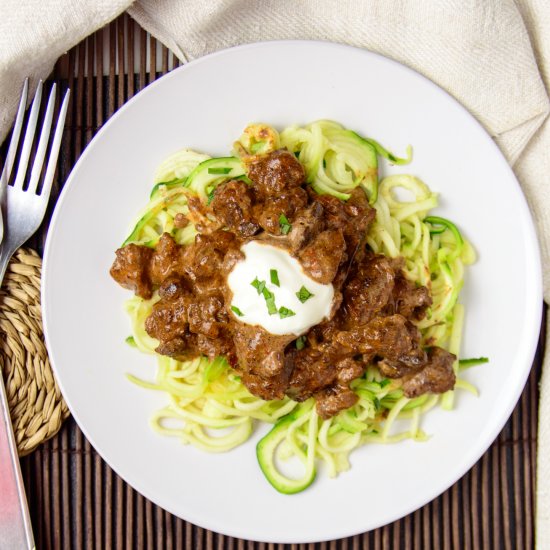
[(492, 55)]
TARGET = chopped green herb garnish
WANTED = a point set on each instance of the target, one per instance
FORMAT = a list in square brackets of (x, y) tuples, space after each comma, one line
[(301, 342), (131, 341), (472, 362), (237, 311), (285, 312), (274, 277), (220, 170), (384, 383), (269, 300), (255, 147), (258, 285), (210, 196), (304, 294), (284, 224)]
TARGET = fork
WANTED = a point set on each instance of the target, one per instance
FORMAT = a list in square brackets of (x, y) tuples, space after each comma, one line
[(22, 212)]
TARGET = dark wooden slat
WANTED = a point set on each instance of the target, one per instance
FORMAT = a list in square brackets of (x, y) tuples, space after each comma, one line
[(463, 512), (67, 509), (112, 74), (98, 508), (150, 531), (89, 104), (108, 484), (518, 454), (131, 59), (142, 59), (152, 58), (475, 508), (121, 49), (88, 483), (44, 509), (77, 501), (119, 513)]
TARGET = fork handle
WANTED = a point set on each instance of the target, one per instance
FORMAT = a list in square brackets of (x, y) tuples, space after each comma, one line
[(15, 523)]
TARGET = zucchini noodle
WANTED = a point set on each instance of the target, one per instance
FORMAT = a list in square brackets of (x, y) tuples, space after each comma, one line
[(209, 407)]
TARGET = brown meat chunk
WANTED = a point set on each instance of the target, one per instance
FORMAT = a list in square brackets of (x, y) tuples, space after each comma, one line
[(204, 259), (181, 348), (180, 220), (397, 339), (222, 345), (393, 338), (276, 173), (395, 369), (268, 210), (131, 269), (173, 288), (410, 300), (232, 205), (169, 319), (323, 256), (264, 387), (312, 372), (203, 315), (368, 289), (353, 216), (307, 223), (315, 371), (261, 360), (436, 377), (348, 370), (333, 400), (167, 260)]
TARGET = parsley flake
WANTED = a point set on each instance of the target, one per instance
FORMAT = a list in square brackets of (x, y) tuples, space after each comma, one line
[(284, 312), (258, 285), (210, 196), (220, 170), (237, 311), (301, 342), (131, 341), (284, 224), (269, 300), (304, 295), (274, 277)]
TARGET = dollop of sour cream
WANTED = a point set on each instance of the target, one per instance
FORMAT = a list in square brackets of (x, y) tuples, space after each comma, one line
[(296, 303)]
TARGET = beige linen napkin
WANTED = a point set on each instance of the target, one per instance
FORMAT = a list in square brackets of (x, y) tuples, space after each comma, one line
[(492, 55)]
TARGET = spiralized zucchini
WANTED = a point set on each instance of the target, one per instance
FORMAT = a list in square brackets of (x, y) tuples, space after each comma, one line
[(336, 159), (210, 408)]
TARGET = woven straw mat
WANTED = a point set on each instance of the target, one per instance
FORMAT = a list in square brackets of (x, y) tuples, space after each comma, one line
[(36, 404)]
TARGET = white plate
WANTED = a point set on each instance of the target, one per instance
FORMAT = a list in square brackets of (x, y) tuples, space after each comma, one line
[(205, 105)]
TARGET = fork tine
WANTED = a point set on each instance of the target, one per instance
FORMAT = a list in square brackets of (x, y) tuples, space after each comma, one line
[(56, 145), (10, 157), (29, 137), (43, 144)]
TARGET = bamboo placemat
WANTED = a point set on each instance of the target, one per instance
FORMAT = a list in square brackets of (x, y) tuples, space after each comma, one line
[(77, 501)]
